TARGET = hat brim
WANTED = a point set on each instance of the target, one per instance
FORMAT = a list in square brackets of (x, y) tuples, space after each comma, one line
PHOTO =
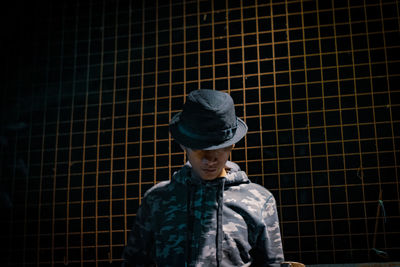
[(190, 142)]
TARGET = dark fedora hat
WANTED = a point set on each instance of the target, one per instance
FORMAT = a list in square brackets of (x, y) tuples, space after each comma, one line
[(207, 121)]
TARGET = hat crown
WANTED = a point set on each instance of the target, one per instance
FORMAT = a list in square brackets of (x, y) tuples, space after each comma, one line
[(207, 111)]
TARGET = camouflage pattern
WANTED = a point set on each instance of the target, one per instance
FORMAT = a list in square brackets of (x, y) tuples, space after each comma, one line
[(188, 222)]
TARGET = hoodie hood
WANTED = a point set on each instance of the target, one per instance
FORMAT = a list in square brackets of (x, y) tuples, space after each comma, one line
[(234, 176)]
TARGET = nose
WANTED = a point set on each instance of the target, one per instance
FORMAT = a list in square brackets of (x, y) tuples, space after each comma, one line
[(210, 156)]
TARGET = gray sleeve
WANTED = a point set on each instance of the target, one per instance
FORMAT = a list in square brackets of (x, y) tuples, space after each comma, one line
[(139, 248), (269, 242)]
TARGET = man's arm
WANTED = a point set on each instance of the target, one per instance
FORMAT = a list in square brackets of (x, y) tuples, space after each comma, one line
[(139, 250), (269, 250)]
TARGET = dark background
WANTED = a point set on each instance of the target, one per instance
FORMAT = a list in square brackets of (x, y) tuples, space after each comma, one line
[(88, 89)]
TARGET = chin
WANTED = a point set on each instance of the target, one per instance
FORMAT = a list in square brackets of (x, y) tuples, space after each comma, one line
[(208, 176), (211, 176)]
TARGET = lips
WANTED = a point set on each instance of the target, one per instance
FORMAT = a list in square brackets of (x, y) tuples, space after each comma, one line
[(209, 170)]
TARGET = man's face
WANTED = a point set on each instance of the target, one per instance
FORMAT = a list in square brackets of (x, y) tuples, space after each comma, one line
[(208, 164)]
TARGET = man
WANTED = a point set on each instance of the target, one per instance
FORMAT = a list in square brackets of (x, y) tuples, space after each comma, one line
[(209, 214)]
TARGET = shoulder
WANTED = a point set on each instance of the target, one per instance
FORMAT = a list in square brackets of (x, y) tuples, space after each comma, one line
[(161, 186), (157, 190), (165, 188), (259, 191), (253, 191), (251, 197)]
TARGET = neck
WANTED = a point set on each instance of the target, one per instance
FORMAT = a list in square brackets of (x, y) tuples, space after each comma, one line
[(222, 174)]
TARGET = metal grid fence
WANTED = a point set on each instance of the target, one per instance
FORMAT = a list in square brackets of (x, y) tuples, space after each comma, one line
[(317, 82)]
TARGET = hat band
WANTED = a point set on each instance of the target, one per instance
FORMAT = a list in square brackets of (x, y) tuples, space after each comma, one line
[(218, 136)]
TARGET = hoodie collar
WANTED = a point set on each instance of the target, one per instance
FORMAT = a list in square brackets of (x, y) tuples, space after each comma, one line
[(234, 176)]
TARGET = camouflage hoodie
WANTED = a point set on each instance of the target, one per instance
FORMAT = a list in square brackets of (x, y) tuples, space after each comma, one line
[(190, 222)]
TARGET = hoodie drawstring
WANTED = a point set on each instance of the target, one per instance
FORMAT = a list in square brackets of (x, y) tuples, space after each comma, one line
[(220, 232), (189, 226)]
